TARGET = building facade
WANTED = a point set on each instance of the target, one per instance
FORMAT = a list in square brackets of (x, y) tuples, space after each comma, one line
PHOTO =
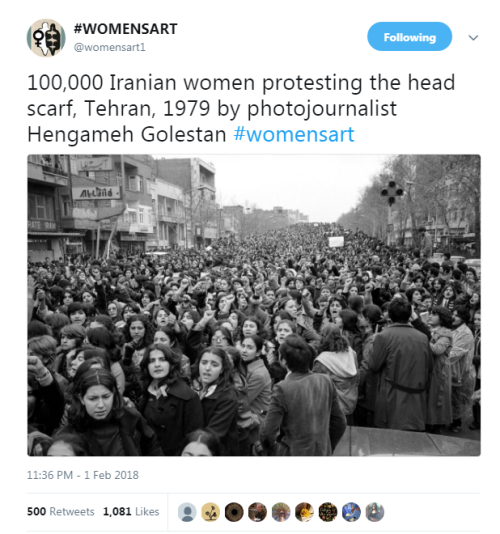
[(196, 179), (47, 177)]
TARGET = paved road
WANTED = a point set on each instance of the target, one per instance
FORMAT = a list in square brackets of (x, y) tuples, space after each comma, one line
[(465, 433)]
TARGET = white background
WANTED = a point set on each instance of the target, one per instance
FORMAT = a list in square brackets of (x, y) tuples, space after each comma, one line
[(260, 39)]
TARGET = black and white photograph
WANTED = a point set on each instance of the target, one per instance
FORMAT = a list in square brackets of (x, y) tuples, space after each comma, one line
[(254, 305)]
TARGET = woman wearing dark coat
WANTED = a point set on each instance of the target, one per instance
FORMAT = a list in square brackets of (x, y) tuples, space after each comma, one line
[(212, 381), (108, 427), (171, 408)]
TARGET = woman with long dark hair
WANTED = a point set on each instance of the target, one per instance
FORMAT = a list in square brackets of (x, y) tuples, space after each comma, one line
[(338, 360), (171, 408), (212, 380), (108, 427)]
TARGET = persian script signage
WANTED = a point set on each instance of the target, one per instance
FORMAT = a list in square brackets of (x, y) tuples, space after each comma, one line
[(95, 193)]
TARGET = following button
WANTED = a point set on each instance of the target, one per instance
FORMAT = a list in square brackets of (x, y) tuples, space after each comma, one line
[(409, 36)]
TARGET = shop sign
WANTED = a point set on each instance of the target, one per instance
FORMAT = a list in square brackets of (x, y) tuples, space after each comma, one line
[(111, 192), (42, 226)]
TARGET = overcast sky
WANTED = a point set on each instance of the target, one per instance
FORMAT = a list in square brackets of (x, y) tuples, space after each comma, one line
[(322, 187)]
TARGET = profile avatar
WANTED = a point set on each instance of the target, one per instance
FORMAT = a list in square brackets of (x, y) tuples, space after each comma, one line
[(187, 512), (374, 512), (351, 512), (46, 38)]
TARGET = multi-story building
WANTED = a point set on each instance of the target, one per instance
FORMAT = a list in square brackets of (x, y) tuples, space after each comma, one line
[(110, 198), (46, 178), (170, 214), (196, 178)]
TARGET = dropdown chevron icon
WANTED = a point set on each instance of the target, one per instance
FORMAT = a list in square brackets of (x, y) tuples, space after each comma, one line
[(473, 38)]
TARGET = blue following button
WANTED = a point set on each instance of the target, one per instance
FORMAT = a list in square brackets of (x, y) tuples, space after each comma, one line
[(409, 36)]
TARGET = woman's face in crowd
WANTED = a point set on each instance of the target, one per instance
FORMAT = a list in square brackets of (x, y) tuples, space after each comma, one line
[(474, 299), (87, 298), (59, 448), (233, 319), (77, 362), (249, 328), (248, 349), (112, 310), (187, 320), (158, 366), (469, 276), (291, 308), (67, 299), (325, 292), (128, 274), (78, 317), (417, 298), (448, 293), (210, 368), (67, 343), (219, 339), (299, 284), (162, 318), (161, 337), (98, 402), (427, 303), (145, 299), (437, 285), (365, 278), (195, 448), (335, 307), (434, 320), (137, 331), (284, 330), (222, 304), (127, 312), (353, 290)]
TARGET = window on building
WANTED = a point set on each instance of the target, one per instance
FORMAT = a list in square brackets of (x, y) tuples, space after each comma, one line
[(135, 183), (41, 207), (132, 215), (141, 216), (66, 205)]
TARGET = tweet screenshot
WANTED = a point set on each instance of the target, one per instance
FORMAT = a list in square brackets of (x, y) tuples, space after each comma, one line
[(255, 234)]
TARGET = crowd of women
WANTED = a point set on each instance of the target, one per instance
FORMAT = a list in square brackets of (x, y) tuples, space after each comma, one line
[(253, 347)]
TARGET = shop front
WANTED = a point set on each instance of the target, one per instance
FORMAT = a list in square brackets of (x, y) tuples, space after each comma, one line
[(133, 243)]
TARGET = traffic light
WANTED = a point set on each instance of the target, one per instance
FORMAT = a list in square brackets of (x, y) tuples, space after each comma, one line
[(392, 191)]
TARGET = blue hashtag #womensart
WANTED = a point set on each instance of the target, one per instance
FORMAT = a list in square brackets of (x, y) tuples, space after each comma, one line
[(299, 136)]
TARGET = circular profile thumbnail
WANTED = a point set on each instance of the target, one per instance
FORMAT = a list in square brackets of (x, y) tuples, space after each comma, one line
[(351, 512), (281, 512), (374, 512), (187, 512), (210, 512), (327, 512), (257, 512), (234, 512), (304, 512)]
